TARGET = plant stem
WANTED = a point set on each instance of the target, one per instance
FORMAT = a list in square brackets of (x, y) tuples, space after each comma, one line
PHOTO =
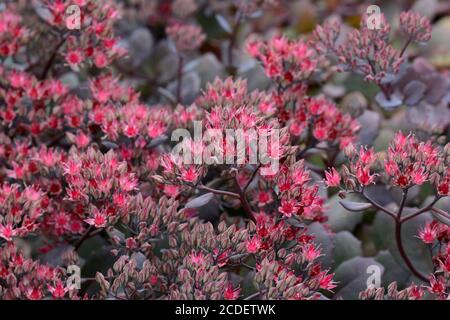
[(385, 91), (251, 177), (405, 46), (254, 295), (219, 192), (244, 202), (398, 239), (376, 205), (240, 195), (420, 211), (49, 63)]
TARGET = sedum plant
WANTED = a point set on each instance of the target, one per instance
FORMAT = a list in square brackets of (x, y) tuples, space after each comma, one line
[(91, 177)]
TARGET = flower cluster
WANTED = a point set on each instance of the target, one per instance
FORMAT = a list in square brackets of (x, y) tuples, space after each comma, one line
[(190, 170), (186, 37), (363, 51), (12, 33), (410, 162), (438, 233), (97, 45), (297, 196), (21, 210), (367, 51), (99, 185), (23, 278), (283, 60), (407, 163), (432, 233), (417, 27), (325, 120)]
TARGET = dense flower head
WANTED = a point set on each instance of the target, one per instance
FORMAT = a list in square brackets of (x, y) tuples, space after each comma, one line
[(12, 33), (284, 60), (24, 278), (184, 8), (417, 27), (100, 183), (367, 51), (411, 162), (437, 233), (187, 169), (97, 46), (327, 122), (408, 162), (298, 197), (20, 210), (364, 51), (186, 37)]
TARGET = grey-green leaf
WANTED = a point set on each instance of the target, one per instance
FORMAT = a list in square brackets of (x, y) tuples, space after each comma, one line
[(355, 206), (200, 201)]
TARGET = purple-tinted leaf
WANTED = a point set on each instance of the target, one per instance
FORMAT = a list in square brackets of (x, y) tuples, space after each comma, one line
[(200, 201), (441, 216), (346, 246), (370, 122), (157, 141), (394, 101), (296, 223), (355, 206), (223, 23), (414, 92), (352, 276)]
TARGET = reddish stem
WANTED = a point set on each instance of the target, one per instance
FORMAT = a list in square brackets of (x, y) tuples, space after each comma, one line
[(398, 239)]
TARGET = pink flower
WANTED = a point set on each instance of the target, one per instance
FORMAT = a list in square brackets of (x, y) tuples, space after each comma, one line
[(326, 281), (189, 175), (363, 175), (171, 190), (7, 232), (99, 219), (82, 140), (444, 188), (186, 37), (131, 243), (197, 258), (100, 59), (74, 58), (128, 182), (332, 178), (253, 245), (437, 285), (231, 293), (391, 167), (419, 176), (58, 291), (264, 198), (34, 294), (429, 233), (417, 27), (367, 156), (311, 253), (288, 207), (415, 292)]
